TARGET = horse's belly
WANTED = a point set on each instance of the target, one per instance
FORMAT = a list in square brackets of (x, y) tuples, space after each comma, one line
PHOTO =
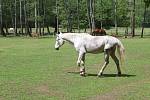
[(96, 50)]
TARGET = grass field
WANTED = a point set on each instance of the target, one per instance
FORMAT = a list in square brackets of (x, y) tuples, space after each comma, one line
[(30, 69)]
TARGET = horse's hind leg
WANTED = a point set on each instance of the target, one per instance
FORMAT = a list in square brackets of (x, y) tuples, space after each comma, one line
[(112, 54), (106, 56)]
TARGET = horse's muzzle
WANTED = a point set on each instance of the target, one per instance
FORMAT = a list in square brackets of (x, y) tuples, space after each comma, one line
[(57, 48)]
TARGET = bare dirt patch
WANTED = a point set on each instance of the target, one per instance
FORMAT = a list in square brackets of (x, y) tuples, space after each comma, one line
[(45, 90), (1, 98), (72, 69)]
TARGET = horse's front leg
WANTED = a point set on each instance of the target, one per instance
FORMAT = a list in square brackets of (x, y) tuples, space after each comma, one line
[(106, 57), (80, 63)]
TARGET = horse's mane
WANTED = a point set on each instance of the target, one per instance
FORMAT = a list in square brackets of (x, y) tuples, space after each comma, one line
[(78, 33), (73, 36)]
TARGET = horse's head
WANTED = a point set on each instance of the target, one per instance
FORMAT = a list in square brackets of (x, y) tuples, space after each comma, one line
[(59, 41)]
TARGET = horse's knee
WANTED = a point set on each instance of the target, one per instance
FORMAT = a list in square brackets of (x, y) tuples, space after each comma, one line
[(82, 63), (78, 63)]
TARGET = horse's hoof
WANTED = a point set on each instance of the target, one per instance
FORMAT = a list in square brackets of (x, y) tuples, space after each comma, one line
[(119, 74), (100, 75), (82, 74)]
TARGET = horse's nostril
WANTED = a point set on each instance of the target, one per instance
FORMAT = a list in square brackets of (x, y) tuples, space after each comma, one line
[(57, 48)]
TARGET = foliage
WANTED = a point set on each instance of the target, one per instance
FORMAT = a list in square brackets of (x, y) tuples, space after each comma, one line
[(67, 9), (147, 2)]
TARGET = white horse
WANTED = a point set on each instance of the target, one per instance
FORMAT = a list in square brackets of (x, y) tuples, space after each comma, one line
[(85, 43)]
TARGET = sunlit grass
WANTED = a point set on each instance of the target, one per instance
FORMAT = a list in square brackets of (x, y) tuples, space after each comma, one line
[(30, 69)]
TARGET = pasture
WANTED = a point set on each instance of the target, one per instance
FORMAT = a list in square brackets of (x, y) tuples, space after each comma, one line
[(31, 69)]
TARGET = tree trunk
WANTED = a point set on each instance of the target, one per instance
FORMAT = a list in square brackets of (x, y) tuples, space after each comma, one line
[(25, 17), (68, 12), (27, 27), (21, 25), (1, 20), (6, 28), (56, 19), (43, 7), (93, 15), (29, 30), (133, 19), (143, 21), (101, 15), (40, 29), (89, 18), (69, 22), (11, 15), (78, 16), (48, 30), (56, 26), (16, 34), (90, 10), (115, 17), (36, 27), (39, 15)]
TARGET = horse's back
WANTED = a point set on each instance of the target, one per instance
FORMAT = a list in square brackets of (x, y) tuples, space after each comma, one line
[(106, 41)]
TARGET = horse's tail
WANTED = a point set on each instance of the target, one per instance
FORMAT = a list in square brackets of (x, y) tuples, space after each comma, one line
[(121, 51)]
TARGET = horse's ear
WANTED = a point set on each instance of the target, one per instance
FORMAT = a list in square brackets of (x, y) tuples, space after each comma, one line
[(58, 33)]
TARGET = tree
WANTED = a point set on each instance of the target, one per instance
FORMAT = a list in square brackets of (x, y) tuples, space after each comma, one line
[(147, 4), (43, 9), (78, 16), (21, 24), (16, 18), (101, 17), (115, 16), (36, 27), (73, 14), (90, 9), (1, 18), (57, 17), (133, 19), (68, 11)]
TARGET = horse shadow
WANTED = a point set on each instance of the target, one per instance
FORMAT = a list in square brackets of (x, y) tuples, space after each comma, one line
[(104, 75), (113, 75)]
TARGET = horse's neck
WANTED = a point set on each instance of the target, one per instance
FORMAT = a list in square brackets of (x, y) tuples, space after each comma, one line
[(70, 37)]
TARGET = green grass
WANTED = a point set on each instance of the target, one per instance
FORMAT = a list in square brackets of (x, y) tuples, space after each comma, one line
[(30, 69)]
